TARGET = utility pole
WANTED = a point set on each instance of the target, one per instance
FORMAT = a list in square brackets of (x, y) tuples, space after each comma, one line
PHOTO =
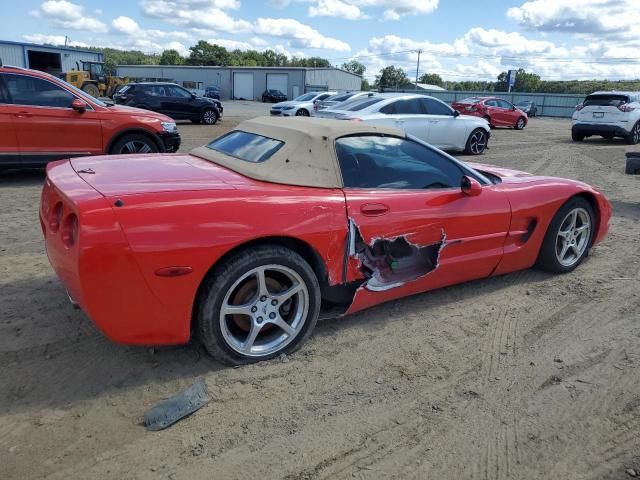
[(418, 67), (65, 40)]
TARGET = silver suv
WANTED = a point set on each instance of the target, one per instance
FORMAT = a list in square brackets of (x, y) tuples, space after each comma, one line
[(608, 114)]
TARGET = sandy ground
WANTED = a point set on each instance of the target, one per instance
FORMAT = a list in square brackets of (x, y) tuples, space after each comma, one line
[(524, 376)]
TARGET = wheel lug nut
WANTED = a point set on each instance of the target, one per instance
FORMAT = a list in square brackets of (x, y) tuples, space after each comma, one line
[(263, 298), (254, 309), (272, 315), (274, 302), (259, 319)]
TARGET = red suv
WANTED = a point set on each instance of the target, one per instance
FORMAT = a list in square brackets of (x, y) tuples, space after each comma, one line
[(43, 118), (496, 111)]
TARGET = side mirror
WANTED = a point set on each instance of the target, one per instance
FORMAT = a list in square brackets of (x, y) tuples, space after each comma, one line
[(78, 105), (514, 108), (470, 186)]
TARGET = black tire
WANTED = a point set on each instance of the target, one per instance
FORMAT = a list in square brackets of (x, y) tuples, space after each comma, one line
[(520, 124), (220, 282), (633, 165), (210, 116), (480, 144), (634, 137), (577, 137), (139, 144), (91, 89), (303, 112), (547, 258)]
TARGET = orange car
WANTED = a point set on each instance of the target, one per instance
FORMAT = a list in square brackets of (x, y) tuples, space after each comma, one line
[(43, 118)]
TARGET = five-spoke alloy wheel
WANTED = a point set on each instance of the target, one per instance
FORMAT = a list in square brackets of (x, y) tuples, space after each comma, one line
[(258, 304), (569, 236)]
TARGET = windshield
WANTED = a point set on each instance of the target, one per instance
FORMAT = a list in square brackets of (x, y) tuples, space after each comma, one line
[(306, 97)]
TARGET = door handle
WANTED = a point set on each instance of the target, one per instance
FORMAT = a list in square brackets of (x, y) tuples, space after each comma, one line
[(374, 209)]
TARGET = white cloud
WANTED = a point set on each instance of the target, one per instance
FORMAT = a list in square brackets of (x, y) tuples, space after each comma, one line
[(354, 9), (617, 18), (279, 4), (53, 40), (336, 8), (481, 54), (298, 34), (149, 40), (70, 16), (203, 14)]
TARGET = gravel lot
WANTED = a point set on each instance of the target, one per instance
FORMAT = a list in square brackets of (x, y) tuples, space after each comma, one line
[(523, 376)]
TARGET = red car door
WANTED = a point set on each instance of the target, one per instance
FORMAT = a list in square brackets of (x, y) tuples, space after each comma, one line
[(46, 126), (412, 228), (506, 113), (9, 151)]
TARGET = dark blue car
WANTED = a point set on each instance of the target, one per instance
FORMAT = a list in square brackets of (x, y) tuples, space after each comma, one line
[(212, 91)]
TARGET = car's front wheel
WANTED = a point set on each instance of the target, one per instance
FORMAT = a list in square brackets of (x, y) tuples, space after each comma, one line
[(134, 143), (521, 123), (477, 142), (303, 112), (634, 137), (569, 237), (210, 116), (258, 304)]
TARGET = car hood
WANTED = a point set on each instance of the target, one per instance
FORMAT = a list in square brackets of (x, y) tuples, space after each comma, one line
[(510, 176), (139, 112), (121, 175)]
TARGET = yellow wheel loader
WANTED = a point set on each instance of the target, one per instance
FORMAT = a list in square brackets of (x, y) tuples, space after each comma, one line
[(91, 78)]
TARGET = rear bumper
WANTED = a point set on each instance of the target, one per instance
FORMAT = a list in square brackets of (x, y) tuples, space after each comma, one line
[(170, 142), (588, 129)]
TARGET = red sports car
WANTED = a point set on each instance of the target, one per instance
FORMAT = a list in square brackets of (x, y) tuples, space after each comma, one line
[(497, 111), (248, 240)]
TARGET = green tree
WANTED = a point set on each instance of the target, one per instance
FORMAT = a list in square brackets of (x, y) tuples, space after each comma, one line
[(365, 87), (392, 77), (171, 57), (431, 79), (354, 66), (205, 53)]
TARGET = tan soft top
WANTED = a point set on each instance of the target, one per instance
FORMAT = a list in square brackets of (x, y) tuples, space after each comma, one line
[(307, 157)]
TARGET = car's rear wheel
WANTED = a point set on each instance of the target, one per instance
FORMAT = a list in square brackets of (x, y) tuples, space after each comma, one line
[(577, 137), (258, 304), (303, 112), (134, 143), (477, 142), (210, 116), (569, 237), (521, 123), (634, 137)]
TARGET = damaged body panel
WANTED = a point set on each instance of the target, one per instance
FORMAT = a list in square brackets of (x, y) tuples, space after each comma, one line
[(405, 242)]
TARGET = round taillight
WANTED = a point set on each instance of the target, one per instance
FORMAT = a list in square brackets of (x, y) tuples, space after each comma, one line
[(69, 232), (55, 217)]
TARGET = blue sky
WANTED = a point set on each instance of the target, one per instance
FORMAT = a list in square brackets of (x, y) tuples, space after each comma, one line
[(459, 39)]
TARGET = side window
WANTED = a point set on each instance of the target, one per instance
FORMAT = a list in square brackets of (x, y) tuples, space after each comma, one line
[(409, 107), (504, 104), (491, 103), (4, 95), (389, 109), (25, 90), (177, 92), (435, 107), (389, 162)]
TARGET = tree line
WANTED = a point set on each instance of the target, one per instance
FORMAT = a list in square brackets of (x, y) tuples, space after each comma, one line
[(389, 78), (393, 77)]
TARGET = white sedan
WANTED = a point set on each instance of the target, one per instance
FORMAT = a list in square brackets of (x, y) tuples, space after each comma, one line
[(301, 106), (426, 118)]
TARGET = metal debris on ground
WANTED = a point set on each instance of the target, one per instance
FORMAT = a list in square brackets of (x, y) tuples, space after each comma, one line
[(170, 411)]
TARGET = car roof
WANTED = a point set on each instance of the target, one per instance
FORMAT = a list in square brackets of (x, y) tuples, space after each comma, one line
[(615, 92), (307, 157)]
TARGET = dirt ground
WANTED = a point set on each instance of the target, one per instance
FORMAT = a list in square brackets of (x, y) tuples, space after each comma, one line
[(525, 376)]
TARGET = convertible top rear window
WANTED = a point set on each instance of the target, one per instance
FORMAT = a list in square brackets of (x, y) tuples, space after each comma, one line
[(246, 146)]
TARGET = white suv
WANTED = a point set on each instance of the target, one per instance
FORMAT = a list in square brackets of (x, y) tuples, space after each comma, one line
[(608, 114)]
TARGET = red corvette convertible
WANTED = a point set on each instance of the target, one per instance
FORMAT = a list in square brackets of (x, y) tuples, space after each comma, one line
[(497, 111), (248, 240)]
